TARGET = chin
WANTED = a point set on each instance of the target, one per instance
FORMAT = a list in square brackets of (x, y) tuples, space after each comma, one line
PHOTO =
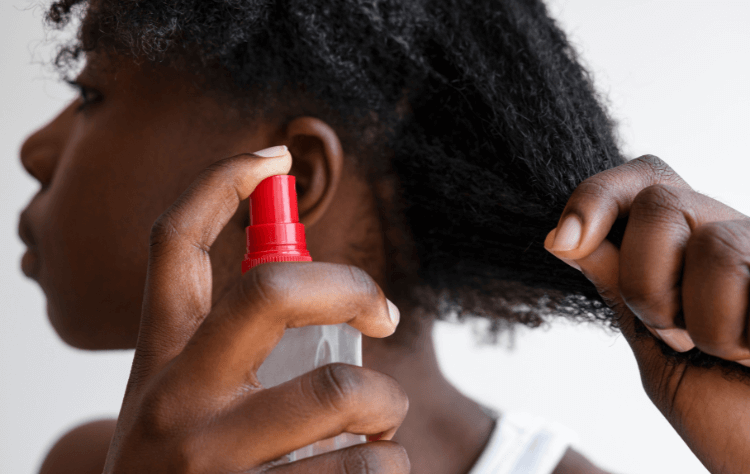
[(92, 334)]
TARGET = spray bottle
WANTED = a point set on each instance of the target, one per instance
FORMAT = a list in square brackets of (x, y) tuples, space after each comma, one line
[(276, 235)]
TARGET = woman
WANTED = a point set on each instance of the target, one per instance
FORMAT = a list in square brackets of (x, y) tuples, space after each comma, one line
[(435, 144)]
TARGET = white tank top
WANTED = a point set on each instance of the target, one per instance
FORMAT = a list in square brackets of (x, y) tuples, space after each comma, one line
[(523, 444)]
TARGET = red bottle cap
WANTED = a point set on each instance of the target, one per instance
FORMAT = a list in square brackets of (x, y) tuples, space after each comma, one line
[(274, 233)]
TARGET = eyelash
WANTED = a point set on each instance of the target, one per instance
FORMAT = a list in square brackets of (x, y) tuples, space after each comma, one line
[(87, 94)]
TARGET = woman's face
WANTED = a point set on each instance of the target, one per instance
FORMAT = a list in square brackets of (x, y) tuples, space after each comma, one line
[(108, 169)]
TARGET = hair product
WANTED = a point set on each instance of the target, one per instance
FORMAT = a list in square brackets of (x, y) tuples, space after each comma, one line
[(276, 235)]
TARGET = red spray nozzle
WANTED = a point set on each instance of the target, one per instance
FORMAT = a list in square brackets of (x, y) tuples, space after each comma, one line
[(274, 234)]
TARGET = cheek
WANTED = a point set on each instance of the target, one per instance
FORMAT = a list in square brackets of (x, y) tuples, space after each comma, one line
[(117, 174), (96, 220)]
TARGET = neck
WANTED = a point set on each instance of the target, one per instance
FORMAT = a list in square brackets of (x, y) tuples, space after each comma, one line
[(444, 431)]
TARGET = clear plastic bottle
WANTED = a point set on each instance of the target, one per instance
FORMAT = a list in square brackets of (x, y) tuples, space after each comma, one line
[(304, 349), (275, 235)]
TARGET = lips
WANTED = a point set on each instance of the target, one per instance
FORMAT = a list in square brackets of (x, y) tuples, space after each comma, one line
[(30, 260), (24, 231)]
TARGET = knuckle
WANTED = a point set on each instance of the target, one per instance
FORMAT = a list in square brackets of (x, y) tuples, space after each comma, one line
[(265, 284), (360, 461), (163, 231), (658, 168), (401, 401), (721, 243), (656, 203), (363, 282), (596, 186), (335, 386), (383, 456)]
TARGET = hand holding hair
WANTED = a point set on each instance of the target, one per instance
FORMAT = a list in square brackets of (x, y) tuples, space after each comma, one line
[(683, 270)]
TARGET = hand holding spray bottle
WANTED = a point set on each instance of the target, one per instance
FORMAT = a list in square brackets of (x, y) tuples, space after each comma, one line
[(276, 235)]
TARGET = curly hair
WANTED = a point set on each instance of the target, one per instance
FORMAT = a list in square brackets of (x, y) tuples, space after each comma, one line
[(488, 121)]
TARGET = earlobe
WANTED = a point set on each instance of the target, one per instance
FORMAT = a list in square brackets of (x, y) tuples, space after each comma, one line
[(317, 162)]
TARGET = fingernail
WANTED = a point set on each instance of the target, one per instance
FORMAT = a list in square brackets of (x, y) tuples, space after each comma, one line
[(572, 263), (678, 339), (653, 331), (271, 152), (547, 244), (568, 235), (550, 238), (393, 312)]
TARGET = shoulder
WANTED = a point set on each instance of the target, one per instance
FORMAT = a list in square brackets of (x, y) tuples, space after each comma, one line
[(574, 462), (81, 450)]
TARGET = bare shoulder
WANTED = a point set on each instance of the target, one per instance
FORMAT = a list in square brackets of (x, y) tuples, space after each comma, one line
[(574, 462), (81, 450)]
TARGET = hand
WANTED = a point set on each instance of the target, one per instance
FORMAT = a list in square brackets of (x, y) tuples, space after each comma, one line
[(193, 403), (683, 271)]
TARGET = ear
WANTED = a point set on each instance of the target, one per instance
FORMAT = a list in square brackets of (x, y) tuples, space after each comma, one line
[(317, 162)]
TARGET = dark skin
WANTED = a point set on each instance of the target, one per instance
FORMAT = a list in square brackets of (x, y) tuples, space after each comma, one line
[(682, 251), (116, 187), (114, 177)]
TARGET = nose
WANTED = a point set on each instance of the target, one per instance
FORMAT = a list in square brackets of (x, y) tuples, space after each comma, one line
[(40, 152)]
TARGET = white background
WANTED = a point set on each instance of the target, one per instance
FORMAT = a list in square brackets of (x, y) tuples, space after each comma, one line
[(677, 74)]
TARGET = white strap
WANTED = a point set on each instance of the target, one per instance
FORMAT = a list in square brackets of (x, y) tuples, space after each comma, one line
[(524, 444)]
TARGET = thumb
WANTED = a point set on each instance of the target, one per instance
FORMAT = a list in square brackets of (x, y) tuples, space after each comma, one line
[(602, 268)]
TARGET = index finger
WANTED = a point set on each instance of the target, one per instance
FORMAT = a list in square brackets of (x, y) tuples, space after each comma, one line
[(600, 200), (178, 289)]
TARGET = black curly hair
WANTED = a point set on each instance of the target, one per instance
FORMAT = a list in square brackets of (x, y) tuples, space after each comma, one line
[(487, 122)]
